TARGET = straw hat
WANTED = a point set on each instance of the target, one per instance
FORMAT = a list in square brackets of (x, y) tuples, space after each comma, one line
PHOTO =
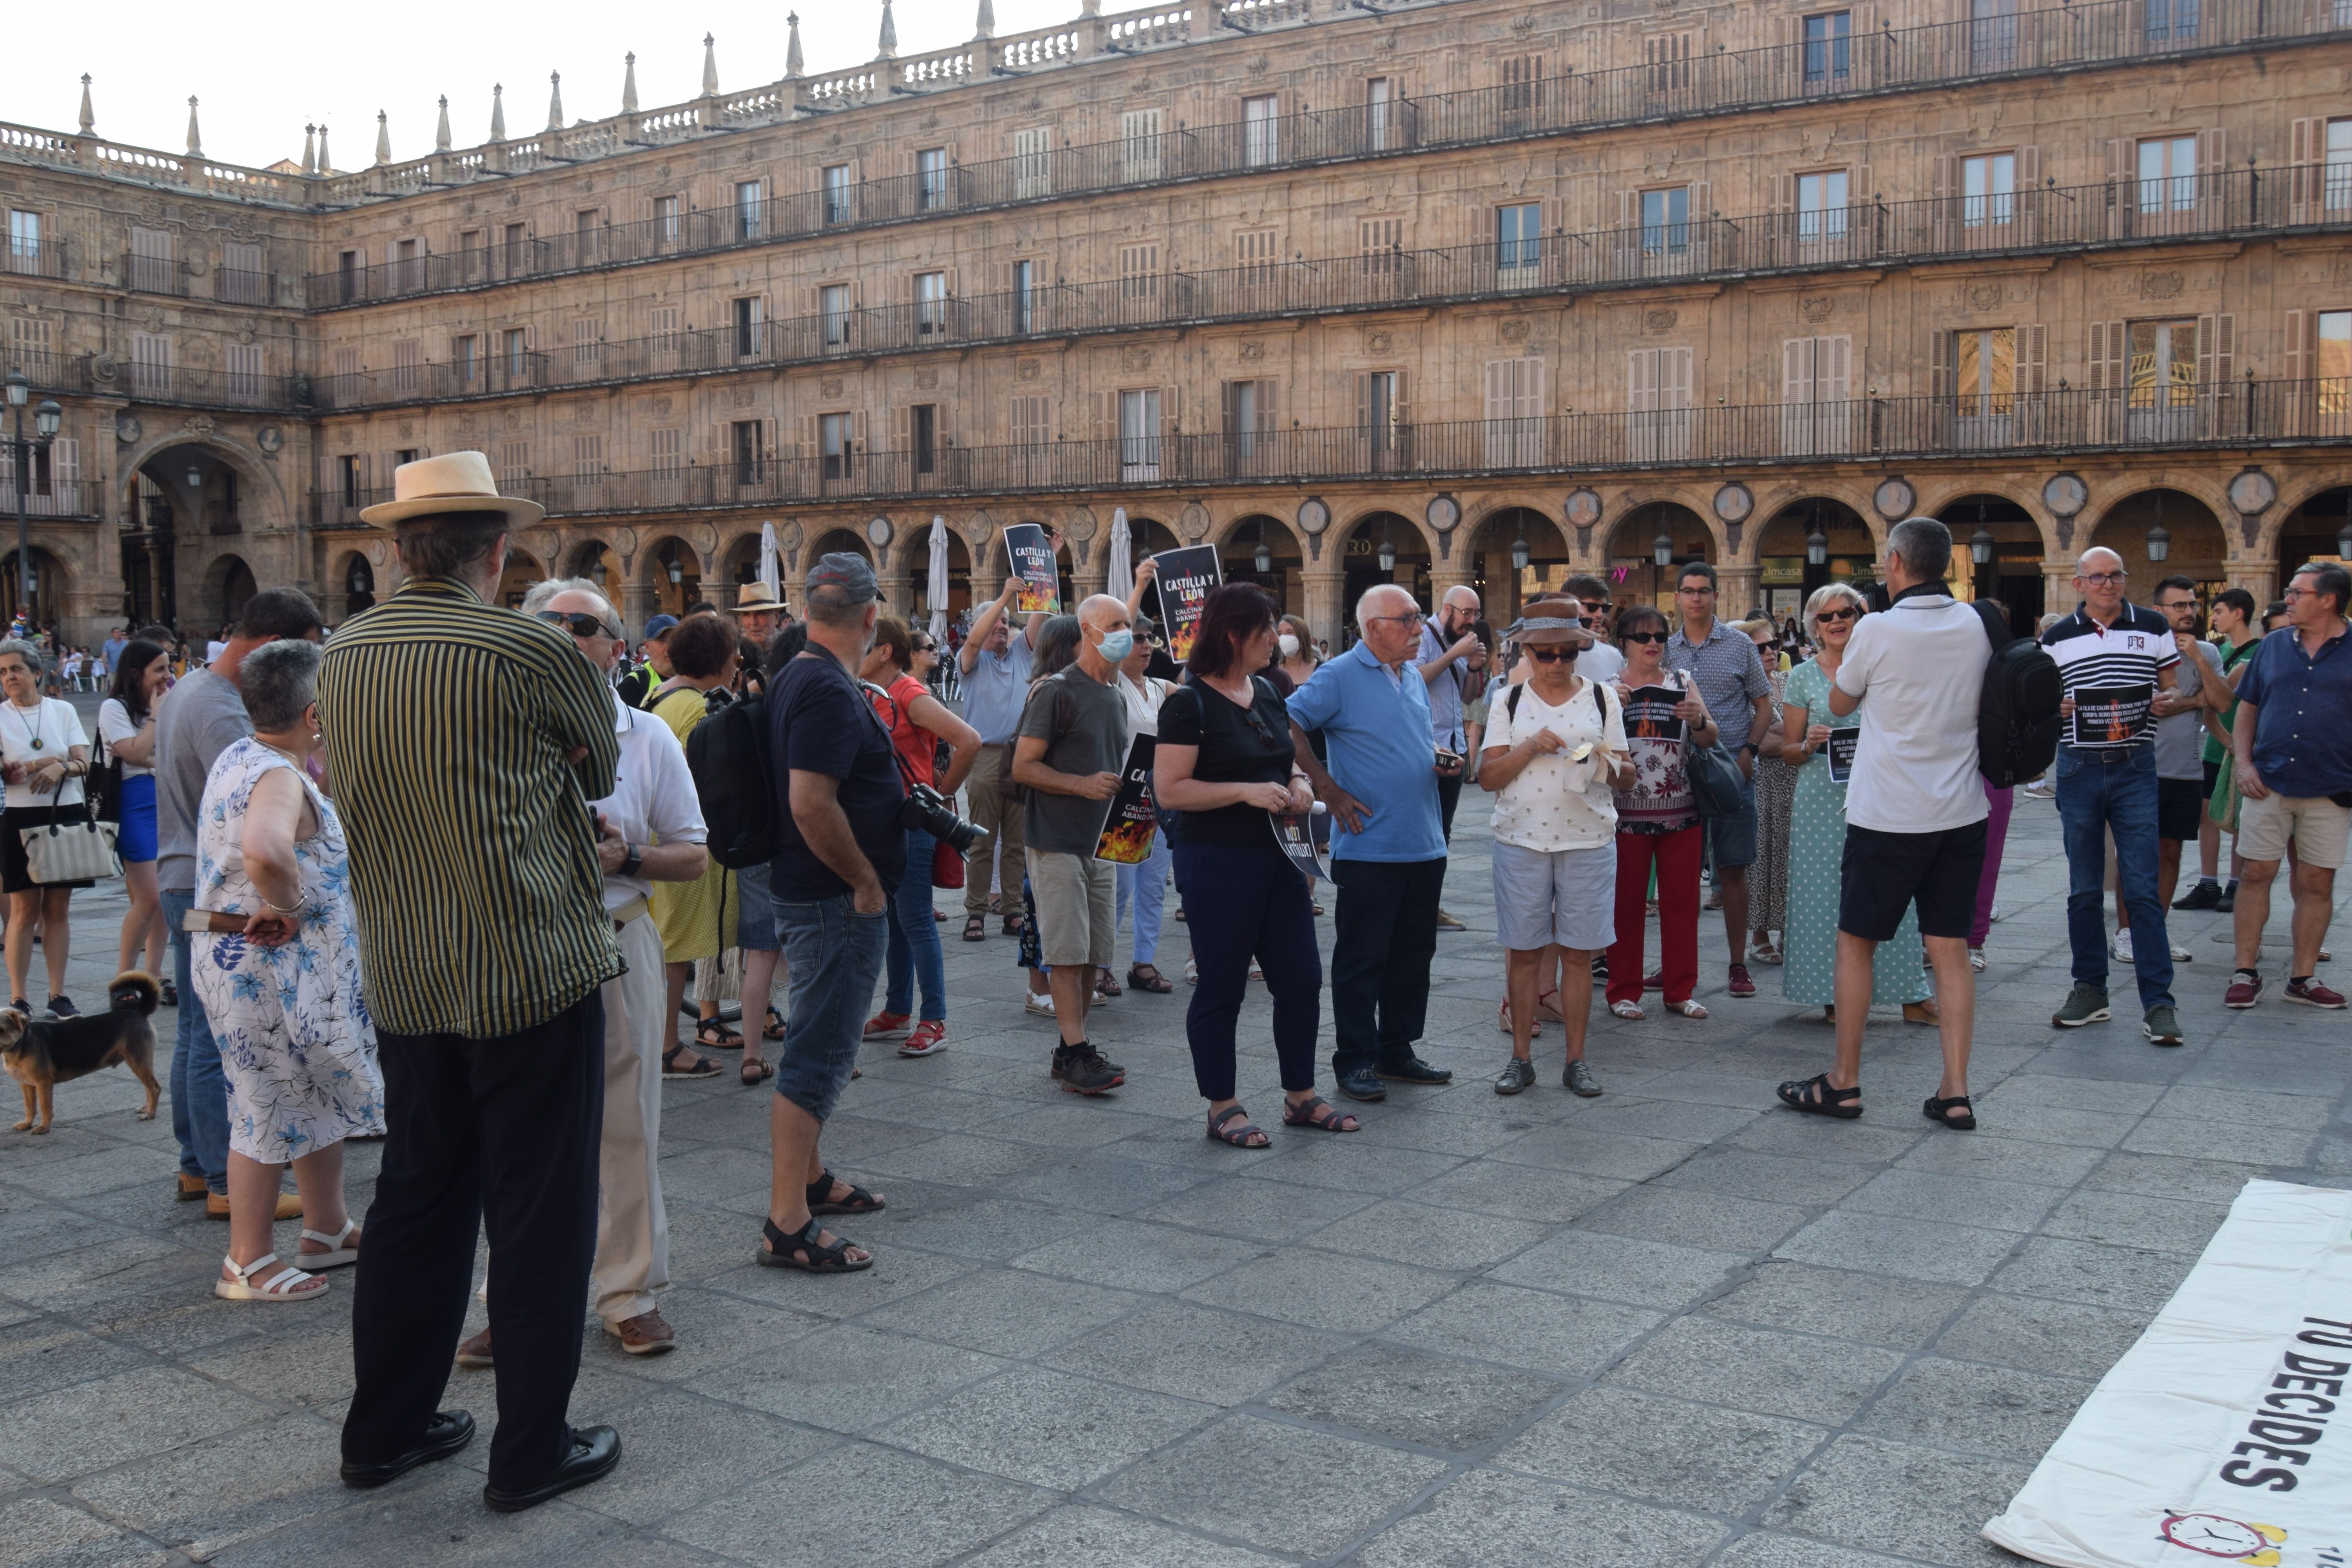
[(756, 595), (1545, 625), (457, 482)]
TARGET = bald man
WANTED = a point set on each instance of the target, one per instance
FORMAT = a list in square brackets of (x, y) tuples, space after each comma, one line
[(2114, 657), (1069, 754)]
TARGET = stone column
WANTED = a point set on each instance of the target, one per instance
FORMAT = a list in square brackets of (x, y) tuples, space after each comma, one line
[(1326, 583), (897, 593), (1449, 571), (638, 605), (2259, 578), (1735, 595)]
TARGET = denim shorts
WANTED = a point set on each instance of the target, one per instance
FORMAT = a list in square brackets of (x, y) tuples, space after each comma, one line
[(834, 955), (1731, 840), (755, 913)]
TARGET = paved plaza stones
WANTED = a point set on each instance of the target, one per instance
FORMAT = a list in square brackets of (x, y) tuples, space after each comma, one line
[(1672, 1326)]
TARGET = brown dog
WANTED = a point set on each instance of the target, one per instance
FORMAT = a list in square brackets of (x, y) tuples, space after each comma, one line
[(41, 1054)]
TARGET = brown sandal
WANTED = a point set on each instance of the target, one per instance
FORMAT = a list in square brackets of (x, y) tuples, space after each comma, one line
[(754, 1073), (714, 1034), (975, 929), (1246, 1136), (1318, 1113), (1147, 977)]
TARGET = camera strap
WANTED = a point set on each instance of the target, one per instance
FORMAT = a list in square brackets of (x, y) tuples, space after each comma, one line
[(906, 773)]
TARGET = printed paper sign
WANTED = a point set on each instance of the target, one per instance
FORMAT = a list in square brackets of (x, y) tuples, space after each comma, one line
[(1032, 563), (1650, 714), (2111, 715), (1843, 744), (1185, 577), (1294, 831), (1132, 819)]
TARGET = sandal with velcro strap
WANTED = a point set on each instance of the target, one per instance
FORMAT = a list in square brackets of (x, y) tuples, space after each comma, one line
[(337, 1254), (290, 1285), (1318, 1113), (1816, 1096), (820, 1258), (859, 1200)]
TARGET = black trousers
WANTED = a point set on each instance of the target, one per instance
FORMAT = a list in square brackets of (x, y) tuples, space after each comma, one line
[(1261, 910), (1384, 934), (498, 1136), (1449, 796)]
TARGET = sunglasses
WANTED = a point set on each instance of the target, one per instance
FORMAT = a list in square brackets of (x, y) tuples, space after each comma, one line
[(1552, 655), (581, 623), (1847, 613), (1643, 637)]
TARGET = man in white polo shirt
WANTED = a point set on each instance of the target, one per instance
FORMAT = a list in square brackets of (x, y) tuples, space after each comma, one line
[(1914, 812)]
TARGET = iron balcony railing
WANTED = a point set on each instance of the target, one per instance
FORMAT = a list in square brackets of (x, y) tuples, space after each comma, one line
[(2150, 417), (155, 274), (234, 286), (54, 498), (145, 382), (26, 257), (2236, 202), (2107, 32)]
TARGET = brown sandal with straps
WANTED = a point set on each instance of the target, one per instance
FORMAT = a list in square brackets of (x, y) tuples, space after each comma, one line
[(1318, 1113), (1246, 1136)]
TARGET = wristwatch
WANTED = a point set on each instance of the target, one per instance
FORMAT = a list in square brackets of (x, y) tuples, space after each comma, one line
[(636, 858)]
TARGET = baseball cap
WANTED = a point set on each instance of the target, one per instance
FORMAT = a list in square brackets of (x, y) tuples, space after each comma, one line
[(847, 574), (659, 626)]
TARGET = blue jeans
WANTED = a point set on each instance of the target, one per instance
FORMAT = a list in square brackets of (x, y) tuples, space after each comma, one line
[(2095, 797), (1145, 886), (835, 955), (199, 1090), (915, 951)]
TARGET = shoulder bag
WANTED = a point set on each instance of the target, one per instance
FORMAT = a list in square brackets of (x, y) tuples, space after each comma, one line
[(77, 849), (1714, 773)]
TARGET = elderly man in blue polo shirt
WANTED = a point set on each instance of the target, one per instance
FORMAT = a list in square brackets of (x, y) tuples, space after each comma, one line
[(994, 663), (1388, 847)]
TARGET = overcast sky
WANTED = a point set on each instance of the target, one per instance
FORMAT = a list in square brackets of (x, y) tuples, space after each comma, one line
[(262, 74)]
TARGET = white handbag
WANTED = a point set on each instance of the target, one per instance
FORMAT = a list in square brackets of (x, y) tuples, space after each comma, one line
[(77, 849)]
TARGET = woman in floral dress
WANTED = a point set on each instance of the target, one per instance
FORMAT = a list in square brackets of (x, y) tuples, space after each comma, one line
[(283, 993)]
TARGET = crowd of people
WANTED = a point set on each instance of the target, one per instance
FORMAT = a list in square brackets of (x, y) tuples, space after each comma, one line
[(495, 987)]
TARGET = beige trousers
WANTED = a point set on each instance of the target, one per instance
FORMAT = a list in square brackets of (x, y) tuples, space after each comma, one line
[(632, 1231), (983, 790)]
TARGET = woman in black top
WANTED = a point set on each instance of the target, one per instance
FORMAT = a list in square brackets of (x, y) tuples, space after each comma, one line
[(1223, 764)]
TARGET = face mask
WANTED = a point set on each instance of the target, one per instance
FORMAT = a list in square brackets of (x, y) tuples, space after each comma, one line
[(1116, 646), (1288, 645)]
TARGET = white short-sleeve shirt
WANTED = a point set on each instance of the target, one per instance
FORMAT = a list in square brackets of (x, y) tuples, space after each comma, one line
[(1556, 803), (30, 735), (1919, 669), (653, 799), (114, 727)]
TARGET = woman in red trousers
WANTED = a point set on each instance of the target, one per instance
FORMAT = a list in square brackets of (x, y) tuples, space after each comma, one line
[(1657, 819)]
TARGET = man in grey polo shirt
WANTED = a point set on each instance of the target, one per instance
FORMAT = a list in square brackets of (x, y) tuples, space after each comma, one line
[(994, 662), (1730, 678)]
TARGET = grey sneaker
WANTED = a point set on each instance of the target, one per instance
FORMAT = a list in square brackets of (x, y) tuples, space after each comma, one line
[(2160, 1026), (1580, 1078), (1517, 1074), (2084, 1005)]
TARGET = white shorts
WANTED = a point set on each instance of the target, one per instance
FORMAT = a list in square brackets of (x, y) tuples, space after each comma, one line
[(1566, 897), (2316, 824)]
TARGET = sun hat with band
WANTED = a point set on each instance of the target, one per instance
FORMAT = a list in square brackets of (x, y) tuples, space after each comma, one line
[(1548, 626), (456, 481)]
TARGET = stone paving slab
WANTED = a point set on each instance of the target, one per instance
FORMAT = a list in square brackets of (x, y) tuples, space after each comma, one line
[(1675, 1326)]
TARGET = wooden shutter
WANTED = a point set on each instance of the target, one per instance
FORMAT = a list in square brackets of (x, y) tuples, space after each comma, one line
[(2029, 197), (1171, 409), (2217, 353), (1943, 210), (2033, 359), (65, 473), (2108, 350), (1833, 369), (1269, 414), (1102, 412), (1939, 364), (812, 438), (2306, 147), (2123, 188), (1641, 381), (2302, 371), (1701, 199), (1674, 389), (1398, 413), (1364, 399), (2212, 188), (1797, 366)]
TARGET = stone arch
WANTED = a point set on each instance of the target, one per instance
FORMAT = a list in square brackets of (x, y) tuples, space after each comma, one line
[(1484, 552), (2200, 547), (1628, 558), (1357, 542), (352, 578), (1237, 540), (1785, 578), (667, 594), (261, 481), (53, 584), (1778, 498), (2308, 529), (523, 569), (1939, 493), (229, 582), (2018, 573), (594, 559)]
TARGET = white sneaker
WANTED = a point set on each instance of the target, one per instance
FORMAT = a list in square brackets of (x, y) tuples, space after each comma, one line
[(2182, 955), (1994, 915), (2121, 947), (1255, 973), (1043, 1006), (1192, 972)]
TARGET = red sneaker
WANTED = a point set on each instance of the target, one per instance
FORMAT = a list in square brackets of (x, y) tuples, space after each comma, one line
[(1740, 985), (2312, 994), (1655, 981), (884, 1026), (2244, 991)]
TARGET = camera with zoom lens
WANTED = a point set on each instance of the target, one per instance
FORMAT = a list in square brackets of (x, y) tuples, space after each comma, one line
[(927, 810)]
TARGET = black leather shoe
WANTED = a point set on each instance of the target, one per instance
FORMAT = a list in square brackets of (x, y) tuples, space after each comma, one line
[(1413, 1069), (444, 1436), (1362, 1084), (595, 1451)]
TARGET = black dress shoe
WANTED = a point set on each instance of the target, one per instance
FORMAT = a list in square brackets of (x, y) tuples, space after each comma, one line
[(444, 1436), (595, 1451), (1413, 1069), (1362, 1084)]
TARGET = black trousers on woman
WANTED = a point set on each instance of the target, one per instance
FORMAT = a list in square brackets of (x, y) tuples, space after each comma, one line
[(1240, 904), (501, 1136)]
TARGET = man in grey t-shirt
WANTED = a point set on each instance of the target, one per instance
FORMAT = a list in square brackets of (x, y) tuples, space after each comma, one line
[(2179, 749), (1070, 755), (201, 718)]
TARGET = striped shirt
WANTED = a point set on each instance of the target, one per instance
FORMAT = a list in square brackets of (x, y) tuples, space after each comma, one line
[(2120, 664), (473, 856)]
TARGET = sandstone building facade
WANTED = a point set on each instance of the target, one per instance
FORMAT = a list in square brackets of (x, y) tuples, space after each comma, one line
[(1416, 293)]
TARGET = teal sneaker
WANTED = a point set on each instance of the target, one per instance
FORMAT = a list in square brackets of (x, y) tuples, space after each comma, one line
[(2084, 1005), (2160, 1026)]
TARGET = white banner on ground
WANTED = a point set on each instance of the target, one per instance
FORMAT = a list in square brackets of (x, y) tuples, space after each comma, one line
[(2226, 1432)]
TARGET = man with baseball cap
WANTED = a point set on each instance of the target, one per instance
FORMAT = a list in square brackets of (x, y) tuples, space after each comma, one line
[(639, 683), (840, 851)]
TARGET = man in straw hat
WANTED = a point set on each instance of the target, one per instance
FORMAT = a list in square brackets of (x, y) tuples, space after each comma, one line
[(466, 741), (759, 614)]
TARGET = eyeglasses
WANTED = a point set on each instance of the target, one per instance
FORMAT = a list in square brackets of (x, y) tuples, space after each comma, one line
[(2177, 605), (1846, 613), (2104, 579), (581, 623), (1552, 655), (1414, 619), (2290, 595), (1643, 636)]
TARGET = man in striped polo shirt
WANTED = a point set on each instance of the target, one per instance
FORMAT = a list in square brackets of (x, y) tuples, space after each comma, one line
[(2115, 657)]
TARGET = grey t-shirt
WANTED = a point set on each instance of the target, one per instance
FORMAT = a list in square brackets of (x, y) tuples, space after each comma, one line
[(1083, 722), (2180, 737), (201, 718)]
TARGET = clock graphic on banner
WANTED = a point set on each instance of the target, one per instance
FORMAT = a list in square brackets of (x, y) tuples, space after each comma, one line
[(2216, 1535)]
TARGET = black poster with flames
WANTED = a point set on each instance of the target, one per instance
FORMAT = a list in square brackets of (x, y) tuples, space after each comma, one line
[(1185, 578), (1032, 562), (2109, 716), (1132, 819)]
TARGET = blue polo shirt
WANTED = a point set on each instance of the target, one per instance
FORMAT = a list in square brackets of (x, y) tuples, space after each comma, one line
[(994, 689), (1376, 725), (2302, 732)]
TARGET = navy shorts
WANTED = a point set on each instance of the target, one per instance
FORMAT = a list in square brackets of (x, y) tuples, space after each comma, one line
[(1884, 873), (2179, 808)]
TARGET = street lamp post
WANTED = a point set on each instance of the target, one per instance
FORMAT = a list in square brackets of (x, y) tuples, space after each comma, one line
[(45, 422)]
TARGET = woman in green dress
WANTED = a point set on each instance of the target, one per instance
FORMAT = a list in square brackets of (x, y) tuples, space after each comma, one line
[(1817, 832)]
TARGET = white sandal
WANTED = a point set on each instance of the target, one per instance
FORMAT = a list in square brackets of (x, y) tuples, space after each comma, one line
[(337, 1254), (1627, 1011), (290, 1285), (1687, 1009)]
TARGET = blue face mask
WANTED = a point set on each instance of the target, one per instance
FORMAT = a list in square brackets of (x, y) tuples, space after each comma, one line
[(1116, 646)]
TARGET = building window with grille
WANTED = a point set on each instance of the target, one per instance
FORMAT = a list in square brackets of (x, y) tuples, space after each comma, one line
[(2334, 368), (349, 482), (1992, 34), (1987, 189), (588, 459), (151, 361), (2337, 173), (743, 439), (1829, 50), (931, 178), (749, 322), (1821, 205), (665, 225), (832, 310), (587, 347), (1139, 434), (2173, 21), (1518, 237), (923, 435), (24, 240), (1261, 134), (1249, 410), (1025, 275), (468, 353), (1380, 408), (517, 356), (247, 381), (836, 189), (1139, 274), (1665, 222), (833, 441), (1380, 97), (748, 217), (2168, 174), (930, 304), (1984, 372)]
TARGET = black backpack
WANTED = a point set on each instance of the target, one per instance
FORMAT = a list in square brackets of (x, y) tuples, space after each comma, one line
[(2017, 713), (728, 754)]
